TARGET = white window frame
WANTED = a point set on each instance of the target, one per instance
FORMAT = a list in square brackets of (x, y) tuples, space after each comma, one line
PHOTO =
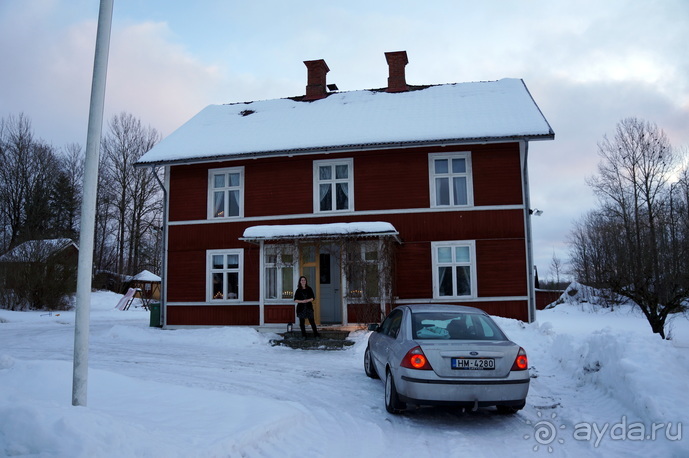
[(317, 182), (276, 250), (210, 271), (466, 155), (211, 192), (454, 263), (368, 247)]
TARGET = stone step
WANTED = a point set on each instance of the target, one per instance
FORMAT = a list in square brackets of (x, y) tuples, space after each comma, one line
[(328, 340)]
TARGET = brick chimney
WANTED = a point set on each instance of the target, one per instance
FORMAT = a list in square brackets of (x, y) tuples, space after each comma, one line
[(396, 63), (316, 87)]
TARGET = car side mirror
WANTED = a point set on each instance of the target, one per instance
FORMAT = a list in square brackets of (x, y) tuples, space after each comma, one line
[(373, 327)]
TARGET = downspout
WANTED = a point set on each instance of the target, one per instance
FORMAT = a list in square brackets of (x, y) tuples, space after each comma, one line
[(261, 284), (343, 286), (163, 263), (531, 288)]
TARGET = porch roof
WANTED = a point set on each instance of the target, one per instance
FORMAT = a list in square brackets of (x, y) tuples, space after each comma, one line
[(319, 231)]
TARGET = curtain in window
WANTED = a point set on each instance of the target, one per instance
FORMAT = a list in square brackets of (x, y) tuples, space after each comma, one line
[(234, 203), (445, 287), (271, 283), (219, 203), (325, 197), (342, 196), (463, 281)]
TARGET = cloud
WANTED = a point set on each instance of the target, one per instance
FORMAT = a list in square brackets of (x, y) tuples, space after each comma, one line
[(155, 79)]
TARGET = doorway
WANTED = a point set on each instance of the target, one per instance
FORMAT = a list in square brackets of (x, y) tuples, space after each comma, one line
[(330, 284), (321, 266)]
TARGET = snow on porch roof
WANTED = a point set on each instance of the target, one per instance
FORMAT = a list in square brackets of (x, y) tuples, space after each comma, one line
[(314, 231), (366, 119)]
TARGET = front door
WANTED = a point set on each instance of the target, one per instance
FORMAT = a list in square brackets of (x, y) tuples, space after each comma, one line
[(309, 268), (329, 278)]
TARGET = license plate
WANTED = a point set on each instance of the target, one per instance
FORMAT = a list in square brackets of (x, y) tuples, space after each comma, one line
[(473, 363)]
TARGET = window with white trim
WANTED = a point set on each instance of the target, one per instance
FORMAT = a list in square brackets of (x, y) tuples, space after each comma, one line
[(333, 182), (454, 269), (279, 272), (226, 193), (450, 179), (364, 275), (225, 275)]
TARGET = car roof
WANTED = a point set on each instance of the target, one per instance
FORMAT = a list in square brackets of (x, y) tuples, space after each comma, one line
[(420, 308)]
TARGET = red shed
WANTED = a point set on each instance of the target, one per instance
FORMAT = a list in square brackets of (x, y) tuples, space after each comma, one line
[(380, 197)]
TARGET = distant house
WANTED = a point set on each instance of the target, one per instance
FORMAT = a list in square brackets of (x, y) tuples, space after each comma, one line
[(380, 197), (40, 272)]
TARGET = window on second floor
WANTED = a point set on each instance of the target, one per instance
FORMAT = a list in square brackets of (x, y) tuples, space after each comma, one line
[(450, 179), (226, 193), (333, 185)]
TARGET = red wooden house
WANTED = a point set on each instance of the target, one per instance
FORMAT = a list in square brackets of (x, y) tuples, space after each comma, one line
[(380, 197)]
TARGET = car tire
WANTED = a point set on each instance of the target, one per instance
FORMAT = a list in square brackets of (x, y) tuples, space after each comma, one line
[(368, 364), (510, 410), (392, 400)]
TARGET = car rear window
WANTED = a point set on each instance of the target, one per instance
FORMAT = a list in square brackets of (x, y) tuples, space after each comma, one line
[(454, 326)]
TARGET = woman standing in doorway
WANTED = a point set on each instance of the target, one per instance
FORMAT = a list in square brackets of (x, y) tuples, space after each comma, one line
[(304, 298)]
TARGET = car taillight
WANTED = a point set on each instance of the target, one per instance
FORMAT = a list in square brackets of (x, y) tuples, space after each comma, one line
[(415, 359), (521, 362)]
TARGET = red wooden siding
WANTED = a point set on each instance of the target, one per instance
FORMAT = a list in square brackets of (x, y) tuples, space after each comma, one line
[(279, 313), (496, 172), (545, 297), (414, 270), (244, 315), (281, 186), (382, 181), (501, 267), (188, 192)]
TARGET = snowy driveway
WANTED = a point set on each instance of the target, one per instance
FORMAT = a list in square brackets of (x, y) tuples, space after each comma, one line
[(227, 392)]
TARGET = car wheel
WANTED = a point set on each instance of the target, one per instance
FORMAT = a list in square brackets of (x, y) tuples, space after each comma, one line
[(392, 400), (368, 364), (509, 410)]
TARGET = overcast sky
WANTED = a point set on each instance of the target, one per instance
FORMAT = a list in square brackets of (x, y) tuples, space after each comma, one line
[(587, 63)]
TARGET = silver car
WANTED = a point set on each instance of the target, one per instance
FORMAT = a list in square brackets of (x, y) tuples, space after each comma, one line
[(437, 354)]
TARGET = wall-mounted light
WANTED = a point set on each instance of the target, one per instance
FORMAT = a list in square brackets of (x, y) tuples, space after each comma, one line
[(535, 211)]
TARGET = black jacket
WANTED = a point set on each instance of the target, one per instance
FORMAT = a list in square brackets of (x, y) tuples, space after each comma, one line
[(300, 295)]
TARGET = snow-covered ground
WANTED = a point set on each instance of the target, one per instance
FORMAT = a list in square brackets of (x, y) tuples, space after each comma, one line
[(602, 385)]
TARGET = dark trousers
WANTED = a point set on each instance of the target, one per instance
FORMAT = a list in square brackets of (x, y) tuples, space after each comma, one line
[(302, 325)]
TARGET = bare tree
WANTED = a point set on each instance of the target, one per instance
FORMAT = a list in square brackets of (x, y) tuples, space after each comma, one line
[(28, 175), (626, 244), (132, 194), (556, 267)]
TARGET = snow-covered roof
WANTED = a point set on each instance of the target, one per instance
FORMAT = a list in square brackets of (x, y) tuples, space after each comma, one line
[(442, 114), (303, 231), (146, 276), (36, 250)]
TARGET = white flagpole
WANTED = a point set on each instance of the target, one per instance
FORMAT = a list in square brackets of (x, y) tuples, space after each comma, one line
[(88, 206)]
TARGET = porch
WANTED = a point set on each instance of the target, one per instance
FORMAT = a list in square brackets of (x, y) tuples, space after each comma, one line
[(348, 266)]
